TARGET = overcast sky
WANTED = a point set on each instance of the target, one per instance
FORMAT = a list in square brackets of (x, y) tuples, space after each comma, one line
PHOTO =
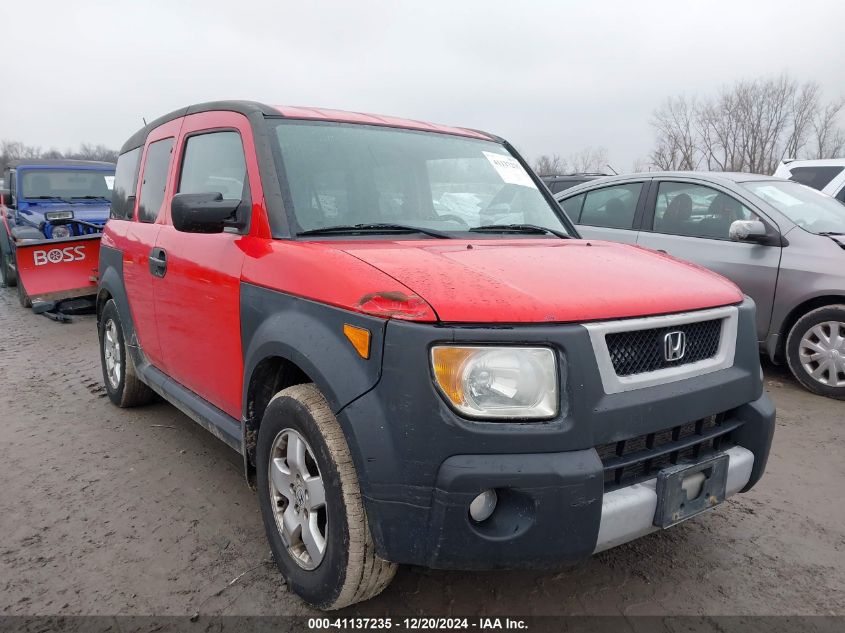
[(552, 77)]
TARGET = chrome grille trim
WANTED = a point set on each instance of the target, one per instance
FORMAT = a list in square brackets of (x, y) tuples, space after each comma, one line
[(723, 358)]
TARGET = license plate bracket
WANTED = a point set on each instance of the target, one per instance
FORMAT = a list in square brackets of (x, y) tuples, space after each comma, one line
[(673, 504)]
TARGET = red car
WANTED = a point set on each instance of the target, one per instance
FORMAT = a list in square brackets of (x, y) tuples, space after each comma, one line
[(418, 358)]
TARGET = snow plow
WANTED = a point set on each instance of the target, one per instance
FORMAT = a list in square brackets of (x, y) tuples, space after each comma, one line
[(53, 214)]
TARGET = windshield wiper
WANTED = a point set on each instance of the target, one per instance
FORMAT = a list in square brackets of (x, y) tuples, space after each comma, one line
[(46, 198), (830, 233), (519, 228), (375, 228), (88, 198)]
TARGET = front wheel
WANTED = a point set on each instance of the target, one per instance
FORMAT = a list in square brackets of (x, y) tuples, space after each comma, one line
[(6, 273), (311, 503), (815, 351)]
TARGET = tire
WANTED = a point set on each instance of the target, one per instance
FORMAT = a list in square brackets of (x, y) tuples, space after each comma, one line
[(124, 387), (7, 275), (816, 345), (347, 570), (26, 302)]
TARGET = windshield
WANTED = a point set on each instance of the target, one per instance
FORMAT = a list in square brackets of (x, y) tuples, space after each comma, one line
[(346, 175), (808, 208), (65, 184)]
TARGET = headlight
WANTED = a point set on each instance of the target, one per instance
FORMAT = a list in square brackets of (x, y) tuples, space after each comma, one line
[(52, 216), (61, 231), (497, 382)]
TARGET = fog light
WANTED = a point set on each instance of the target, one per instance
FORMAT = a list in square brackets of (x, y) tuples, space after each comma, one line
[(483, 505)]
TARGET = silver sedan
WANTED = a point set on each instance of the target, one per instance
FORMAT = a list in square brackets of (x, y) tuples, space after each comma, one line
[(781, 242)]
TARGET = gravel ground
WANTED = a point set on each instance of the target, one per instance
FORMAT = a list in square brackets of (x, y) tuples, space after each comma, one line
[(107, 511)]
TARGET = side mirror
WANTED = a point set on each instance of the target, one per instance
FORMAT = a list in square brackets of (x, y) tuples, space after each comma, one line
[(748, 231), (202, 212)]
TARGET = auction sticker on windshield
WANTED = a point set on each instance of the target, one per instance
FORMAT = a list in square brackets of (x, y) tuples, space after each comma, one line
[(509, 169)]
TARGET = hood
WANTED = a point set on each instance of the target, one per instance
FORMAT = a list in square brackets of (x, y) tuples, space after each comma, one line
[(86, 211), (544, 280)]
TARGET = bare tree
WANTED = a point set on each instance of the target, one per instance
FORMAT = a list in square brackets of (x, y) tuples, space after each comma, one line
[(550, 165), (829, 138), (676, 144), (640, 165), (87, 151), (590, 159), (750, 126), (15, 150), (804, 110)]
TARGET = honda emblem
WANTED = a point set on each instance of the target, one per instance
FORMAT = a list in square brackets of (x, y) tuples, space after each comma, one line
[(674, 346)]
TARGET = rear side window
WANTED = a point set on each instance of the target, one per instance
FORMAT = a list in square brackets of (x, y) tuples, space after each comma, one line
[(572, 206), (214, 163), (125, 183), (612, 207), (815, 177), (155, 179)]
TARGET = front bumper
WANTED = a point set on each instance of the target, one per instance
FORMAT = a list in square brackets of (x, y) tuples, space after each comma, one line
[(420, 465), (552, 509), (628, 513)]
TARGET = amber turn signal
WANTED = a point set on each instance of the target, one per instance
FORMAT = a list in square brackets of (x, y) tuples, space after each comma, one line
[(360, 339)]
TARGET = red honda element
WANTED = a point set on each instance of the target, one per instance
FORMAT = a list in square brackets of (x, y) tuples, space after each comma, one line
[(417, 356)]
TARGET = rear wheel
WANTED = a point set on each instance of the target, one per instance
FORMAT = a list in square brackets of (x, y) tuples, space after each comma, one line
[(815, 351), (123, 385), (311, 503)]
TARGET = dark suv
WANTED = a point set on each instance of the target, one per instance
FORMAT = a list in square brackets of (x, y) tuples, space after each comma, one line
[(556, 184), (420, 362)]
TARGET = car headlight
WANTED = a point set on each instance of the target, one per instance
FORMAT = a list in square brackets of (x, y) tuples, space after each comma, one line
[(52, 216), (497, 382), (61, 231)]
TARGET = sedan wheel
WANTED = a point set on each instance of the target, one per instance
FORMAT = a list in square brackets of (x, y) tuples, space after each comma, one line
[(822, 353), (815, 351)]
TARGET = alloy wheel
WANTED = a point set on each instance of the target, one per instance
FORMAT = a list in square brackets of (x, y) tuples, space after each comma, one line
[(111, 353), (298, 496)]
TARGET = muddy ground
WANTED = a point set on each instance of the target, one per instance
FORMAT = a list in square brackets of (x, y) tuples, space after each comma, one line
[(108, 511)]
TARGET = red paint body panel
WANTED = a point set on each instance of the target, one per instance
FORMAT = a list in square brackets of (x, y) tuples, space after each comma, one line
[(322, 114), (496, 281), (198, 300), (59, 268), (546, 280), (320, 272)]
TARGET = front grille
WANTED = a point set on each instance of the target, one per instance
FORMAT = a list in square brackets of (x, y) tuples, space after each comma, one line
[(83, 229), (90, 230), (636, 459), (640, 351)]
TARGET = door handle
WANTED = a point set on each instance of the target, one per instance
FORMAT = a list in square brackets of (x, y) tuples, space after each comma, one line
[(158, 262)]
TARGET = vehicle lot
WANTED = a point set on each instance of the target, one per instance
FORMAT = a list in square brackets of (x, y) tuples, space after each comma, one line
[(107, 511)]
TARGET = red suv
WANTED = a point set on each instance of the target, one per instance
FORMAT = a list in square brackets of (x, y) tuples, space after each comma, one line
[(418, 358)]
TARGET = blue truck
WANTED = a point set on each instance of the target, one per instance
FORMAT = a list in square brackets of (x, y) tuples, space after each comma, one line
[(53, 212)]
